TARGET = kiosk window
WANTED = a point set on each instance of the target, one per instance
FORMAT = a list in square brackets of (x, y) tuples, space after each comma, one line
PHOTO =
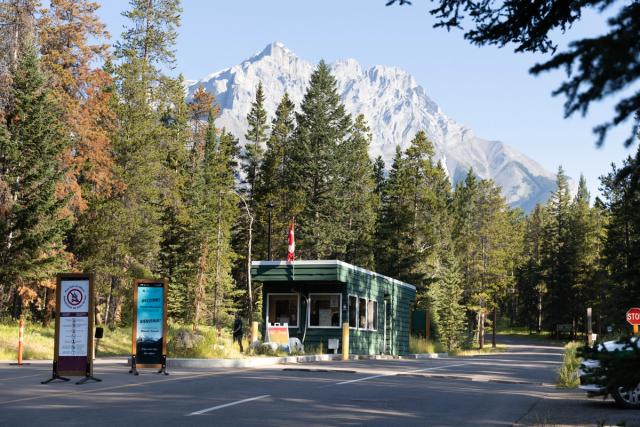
[(325, 311), (283, 309), (353, 312), (372, 315), (362, 324)]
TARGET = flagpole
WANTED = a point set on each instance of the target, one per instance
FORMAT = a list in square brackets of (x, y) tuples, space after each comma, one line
[(270, 207)]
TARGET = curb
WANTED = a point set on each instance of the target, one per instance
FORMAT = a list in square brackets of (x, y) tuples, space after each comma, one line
[(252, 362), (249, 362), (425, 356)]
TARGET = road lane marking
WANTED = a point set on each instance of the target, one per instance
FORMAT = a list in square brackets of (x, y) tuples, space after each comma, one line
[(129, 385), (226, 405), (23, 376), (364, 379), (397, 373)]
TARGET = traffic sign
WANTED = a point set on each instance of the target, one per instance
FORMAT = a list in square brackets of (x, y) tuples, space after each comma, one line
[(633, 316)]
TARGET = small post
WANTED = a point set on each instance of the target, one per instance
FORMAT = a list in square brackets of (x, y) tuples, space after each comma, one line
[(254, 332), (345, 341), (427, 324), (635, 329), (589, 327), (20, 341)]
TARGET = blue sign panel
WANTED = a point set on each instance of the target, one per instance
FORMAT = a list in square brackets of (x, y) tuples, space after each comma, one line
[(149, 323)]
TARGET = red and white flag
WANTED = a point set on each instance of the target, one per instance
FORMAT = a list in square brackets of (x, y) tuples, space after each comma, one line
[(291, 249)]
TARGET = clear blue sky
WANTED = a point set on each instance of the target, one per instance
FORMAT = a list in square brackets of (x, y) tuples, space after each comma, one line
[(485, 88)]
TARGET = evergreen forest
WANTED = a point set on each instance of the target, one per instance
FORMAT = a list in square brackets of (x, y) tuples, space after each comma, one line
[(107, 167)]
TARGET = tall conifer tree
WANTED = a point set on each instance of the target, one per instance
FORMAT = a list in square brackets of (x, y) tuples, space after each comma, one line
[(33, 228), (323, 125)]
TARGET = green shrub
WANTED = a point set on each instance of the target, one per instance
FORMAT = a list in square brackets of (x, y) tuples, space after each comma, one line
[(568, 372), (209, 343)]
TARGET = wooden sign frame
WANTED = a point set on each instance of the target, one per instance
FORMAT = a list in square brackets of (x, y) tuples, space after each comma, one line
[(162, 365), (61, 366)]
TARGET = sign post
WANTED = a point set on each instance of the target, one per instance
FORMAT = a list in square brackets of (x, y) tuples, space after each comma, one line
[(633, 317), (73, 348), (149, 338)]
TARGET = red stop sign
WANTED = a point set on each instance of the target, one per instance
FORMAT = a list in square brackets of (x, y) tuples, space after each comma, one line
[(633, 316)]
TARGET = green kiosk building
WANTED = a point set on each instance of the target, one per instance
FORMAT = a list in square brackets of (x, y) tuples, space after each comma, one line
[(314, 298)]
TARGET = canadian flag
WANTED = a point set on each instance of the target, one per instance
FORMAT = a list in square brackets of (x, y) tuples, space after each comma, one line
[(291, 249)]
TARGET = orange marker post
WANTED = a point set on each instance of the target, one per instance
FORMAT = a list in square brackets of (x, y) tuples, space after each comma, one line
[(635, 329)]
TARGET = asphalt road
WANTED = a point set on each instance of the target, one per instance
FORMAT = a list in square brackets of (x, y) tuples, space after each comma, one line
[(494, 390)]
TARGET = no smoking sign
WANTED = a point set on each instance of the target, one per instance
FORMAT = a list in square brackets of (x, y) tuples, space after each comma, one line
[(74, 297)]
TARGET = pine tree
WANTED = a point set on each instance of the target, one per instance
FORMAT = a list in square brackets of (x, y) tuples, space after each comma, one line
[(252, 158), (323, 125), (395, 241), (621, 192), (68, 31), (557, 256), (174, 181), (445, 297), (256, 137), (530, 275), (33, 229), (273, 185), (485, 241), (132, 216), (357, 196), (414, 221)]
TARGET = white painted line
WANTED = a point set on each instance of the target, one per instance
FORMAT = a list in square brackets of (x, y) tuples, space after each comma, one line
[(237, 402), (365, 378), (396, 373), (435, 367)]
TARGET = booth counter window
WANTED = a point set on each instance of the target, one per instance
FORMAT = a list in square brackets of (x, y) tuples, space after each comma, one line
[(362, 311), (283, 308), (324, 310), (353, 311), (372, 315)]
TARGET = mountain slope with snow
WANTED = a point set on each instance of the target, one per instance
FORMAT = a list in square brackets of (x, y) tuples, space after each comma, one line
[(395, 106)]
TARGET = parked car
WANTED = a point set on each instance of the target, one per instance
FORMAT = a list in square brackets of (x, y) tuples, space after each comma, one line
[(612, 368)]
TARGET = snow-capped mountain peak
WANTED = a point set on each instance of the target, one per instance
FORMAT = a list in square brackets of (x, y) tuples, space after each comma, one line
[(396, 108)]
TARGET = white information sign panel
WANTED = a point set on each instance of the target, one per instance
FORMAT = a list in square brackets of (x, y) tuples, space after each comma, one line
[(74, 317), (73, 336)]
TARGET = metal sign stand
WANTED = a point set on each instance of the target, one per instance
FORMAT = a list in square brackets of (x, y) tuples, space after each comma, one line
[(55, 375), (88, 376), (79, 297), (163, 357)]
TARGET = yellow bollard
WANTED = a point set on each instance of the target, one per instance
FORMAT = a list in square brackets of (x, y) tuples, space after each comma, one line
[(345, 341), (254, 332), (635, 329)]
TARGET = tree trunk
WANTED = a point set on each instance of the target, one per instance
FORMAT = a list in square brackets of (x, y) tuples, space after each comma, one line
[(481, 329), (107, 310), (495, 323), (200, 285)]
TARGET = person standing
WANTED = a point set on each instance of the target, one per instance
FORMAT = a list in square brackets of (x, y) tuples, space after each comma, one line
[(237, 332)]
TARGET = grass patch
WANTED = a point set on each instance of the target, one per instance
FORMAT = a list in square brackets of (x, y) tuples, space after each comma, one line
[(568, 372), (38, 341), (419, 345), (115, 342), (477, 352), (209, 343)]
